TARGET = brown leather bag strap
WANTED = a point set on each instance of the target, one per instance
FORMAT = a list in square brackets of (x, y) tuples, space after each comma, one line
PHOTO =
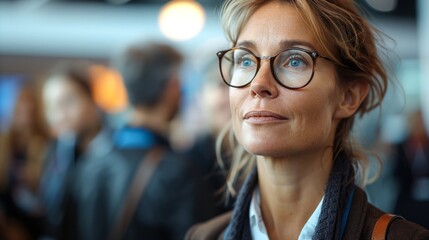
[(213, 229), (381, 226), (141, 178)]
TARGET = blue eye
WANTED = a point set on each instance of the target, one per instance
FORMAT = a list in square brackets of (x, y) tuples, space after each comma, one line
[(246, 63), (296, 62)]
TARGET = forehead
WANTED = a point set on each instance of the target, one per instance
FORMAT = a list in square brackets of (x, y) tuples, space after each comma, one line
[(59, 86), (275, 26)]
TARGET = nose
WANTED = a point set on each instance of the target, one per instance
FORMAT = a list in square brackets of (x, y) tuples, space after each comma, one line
[(264, 84)]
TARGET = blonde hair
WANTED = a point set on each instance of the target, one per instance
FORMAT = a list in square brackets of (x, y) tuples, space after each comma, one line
[(345, 37)]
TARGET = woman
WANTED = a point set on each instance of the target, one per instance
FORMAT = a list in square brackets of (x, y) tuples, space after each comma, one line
[(22, 150), (81, 137), (299, 72)]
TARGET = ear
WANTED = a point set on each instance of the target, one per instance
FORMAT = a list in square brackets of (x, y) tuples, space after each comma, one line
[(351, 97)]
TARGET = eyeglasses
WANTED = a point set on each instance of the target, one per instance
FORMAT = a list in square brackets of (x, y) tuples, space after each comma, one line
[(292, 68)]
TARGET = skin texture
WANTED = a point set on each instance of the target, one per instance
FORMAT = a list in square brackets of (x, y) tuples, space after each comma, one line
[(290, 131)]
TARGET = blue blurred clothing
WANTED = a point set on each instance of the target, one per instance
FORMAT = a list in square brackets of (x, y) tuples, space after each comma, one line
[(59, 163), (62, 163)]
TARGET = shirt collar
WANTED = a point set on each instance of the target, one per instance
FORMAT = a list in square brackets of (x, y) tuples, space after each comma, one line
[(257, 226)]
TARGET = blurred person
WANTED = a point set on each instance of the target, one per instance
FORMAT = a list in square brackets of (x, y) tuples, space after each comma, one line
[(411, 170), (81, 137), (214, 103), (142, 189), (22, 151), (295, 89)]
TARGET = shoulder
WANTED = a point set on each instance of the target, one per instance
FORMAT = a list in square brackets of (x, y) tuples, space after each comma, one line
[(397, 229), (363, 217), (213, 229), (403, 229), (174, 171)]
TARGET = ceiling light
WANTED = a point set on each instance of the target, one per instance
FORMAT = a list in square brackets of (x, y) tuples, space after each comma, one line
[(181, 20)]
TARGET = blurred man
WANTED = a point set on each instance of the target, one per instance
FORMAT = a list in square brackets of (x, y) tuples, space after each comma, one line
[(112, 203)]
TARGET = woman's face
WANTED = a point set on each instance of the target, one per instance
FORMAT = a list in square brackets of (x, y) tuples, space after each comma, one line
[(68, 108), (274, 121)]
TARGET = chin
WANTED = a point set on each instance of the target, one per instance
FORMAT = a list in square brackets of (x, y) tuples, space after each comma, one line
[(263, 148)]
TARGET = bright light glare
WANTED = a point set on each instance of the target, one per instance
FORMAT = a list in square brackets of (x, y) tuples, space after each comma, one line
[(181, 20)]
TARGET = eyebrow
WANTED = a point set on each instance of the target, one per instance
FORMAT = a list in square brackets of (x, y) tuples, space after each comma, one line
[(282, 45)]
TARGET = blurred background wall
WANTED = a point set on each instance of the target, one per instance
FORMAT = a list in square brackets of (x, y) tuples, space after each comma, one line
[(34, 34)]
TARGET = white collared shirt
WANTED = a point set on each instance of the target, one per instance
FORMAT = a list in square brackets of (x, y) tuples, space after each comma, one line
[(257, 226)]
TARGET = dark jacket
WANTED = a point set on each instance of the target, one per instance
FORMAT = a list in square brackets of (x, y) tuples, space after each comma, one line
[(203, 156), (360, 223), (411, 170), (167, 207), (62, 163)]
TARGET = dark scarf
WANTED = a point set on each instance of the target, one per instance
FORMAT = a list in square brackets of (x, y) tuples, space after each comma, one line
[(340, 185)]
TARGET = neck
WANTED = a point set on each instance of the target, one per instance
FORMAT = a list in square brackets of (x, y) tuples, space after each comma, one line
[(152, 119), (291, 188)]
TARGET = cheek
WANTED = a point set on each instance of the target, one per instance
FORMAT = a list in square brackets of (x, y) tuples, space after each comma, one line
[(312, 123), (236, 100), (314, 119)]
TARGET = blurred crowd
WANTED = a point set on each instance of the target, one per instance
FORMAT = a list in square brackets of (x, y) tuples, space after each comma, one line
[(68, 172)]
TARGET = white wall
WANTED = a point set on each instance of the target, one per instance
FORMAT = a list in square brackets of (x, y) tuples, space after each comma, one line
[(93, 30)]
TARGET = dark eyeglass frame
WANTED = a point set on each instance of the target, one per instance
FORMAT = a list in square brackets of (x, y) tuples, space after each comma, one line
[(313, 54)]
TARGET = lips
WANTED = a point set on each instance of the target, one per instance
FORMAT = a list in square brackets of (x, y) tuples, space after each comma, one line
[(263, 117)]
